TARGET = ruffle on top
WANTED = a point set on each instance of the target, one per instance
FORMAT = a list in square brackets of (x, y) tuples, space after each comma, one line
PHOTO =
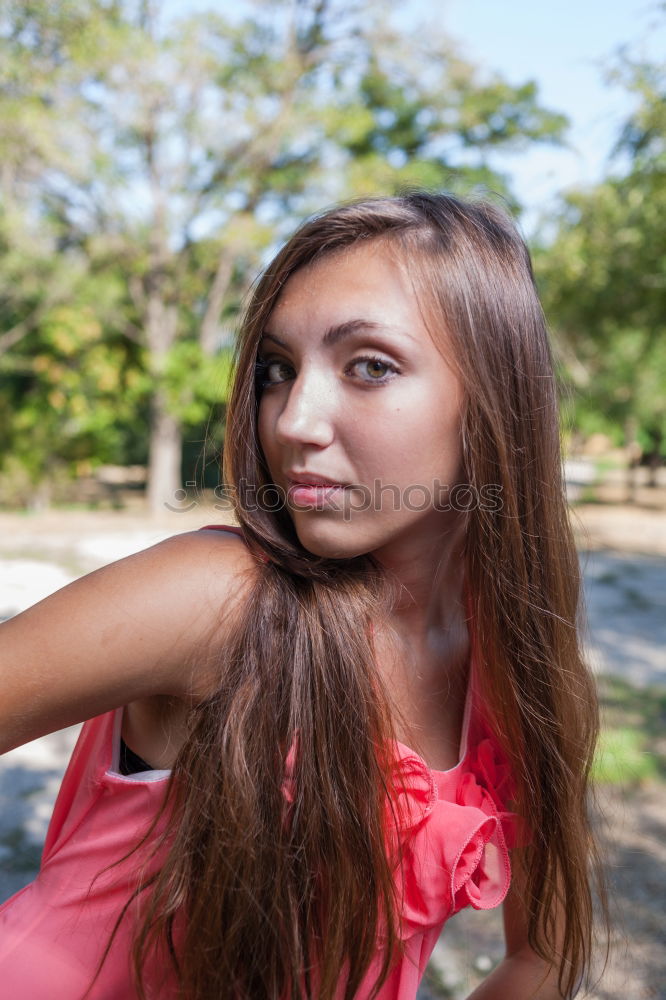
[(455, 834), (454, 831)]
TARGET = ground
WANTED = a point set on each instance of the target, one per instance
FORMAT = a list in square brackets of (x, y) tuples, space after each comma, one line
[(623, 553)]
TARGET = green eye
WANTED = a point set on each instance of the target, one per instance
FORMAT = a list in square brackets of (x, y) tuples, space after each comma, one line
[(376, 369)]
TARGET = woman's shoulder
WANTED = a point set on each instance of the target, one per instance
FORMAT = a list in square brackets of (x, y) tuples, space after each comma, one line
[(183, 587), (206, 569), (122, 633), (213, 574), (214, 559)]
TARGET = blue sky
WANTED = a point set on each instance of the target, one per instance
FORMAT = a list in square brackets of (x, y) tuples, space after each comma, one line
[(564, 46)]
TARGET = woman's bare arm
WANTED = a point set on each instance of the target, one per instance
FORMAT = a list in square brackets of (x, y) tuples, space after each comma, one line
[(122, 633), (522, 974)]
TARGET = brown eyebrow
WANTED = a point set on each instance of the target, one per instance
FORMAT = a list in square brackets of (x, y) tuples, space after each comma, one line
[(271, 336), (336, 333)]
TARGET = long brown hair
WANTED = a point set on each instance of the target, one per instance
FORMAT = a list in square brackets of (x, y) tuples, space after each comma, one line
[(275, 904)]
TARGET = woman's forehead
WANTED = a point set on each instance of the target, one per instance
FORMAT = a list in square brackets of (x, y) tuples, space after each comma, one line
[(367, 286), (363, 276)]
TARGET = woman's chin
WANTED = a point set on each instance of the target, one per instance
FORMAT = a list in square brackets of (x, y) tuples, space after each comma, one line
[(332, 551), (332, 542)]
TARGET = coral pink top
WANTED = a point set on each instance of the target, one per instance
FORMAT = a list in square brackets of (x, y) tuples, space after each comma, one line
[(454, 829)]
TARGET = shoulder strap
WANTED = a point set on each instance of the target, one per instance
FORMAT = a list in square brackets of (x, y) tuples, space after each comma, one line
[(222, 527), (236, 531)]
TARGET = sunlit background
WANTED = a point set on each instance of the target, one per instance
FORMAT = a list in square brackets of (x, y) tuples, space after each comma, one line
[(153, 154)]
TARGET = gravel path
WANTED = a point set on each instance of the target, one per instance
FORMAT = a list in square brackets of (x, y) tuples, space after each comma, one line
[(623, 553)]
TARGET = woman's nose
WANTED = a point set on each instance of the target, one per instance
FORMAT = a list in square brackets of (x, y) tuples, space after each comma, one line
[(306, 415)]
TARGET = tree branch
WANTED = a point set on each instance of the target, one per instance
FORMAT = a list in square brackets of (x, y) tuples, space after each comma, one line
[(218, 290), (9, 338)]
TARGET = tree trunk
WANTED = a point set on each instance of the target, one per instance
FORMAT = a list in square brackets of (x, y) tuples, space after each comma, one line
[(655, 460), (166, 445), (633, 450), (165, 433)]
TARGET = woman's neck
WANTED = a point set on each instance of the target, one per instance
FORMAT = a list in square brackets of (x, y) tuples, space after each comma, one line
[(430, 588), (426, 682), (423, 650)]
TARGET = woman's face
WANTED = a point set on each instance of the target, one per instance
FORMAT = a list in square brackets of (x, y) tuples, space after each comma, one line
[(359, 418)]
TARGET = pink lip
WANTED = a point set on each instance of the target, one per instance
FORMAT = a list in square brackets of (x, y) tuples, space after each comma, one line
[(308, 491), (309, 479)]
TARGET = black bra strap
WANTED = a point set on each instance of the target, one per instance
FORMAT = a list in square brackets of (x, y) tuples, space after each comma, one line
[(130, 762)]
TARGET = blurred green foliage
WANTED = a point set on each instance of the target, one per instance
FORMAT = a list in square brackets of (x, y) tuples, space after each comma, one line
[(603, 279), (632, 745), (150, 164), (622, 759)]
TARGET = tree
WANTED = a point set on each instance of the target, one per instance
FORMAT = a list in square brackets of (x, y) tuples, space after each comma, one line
[(192, 145), (604, 278)]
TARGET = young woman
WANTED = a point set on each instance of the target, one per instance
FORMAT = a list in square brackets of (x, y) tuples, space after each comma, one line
[(315, 739)]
